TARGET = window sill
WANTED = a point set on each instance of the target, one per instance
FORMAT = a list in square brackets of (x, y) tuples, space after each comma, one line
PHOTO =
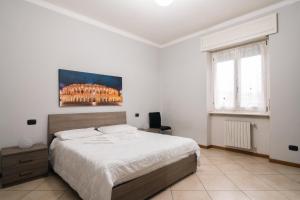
[(251, 114)]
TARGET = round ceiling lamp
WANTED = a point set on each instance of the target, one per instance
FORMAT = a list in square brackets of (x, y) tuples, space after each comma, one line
[(164, 2)]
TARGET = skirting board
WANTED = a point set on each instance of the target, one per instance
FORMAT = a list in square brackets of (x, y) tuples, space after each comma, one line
[(251, 153), (284, 162)]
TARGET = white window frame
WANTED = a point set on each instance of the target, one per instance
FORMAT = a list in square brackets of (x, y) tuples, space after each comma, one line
[(237, 110)]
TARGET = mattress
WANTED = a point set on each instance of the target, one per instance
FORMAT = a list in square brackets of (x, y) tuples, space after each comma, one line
[(93, 166)]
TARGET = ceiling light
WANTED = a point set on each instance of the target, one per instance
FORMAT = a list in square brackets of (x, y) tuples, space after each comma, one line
[(164, 2)]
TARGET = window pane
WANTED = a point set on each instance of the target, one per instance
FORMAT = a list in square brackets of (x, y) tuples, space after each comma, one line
[(251, 83), (224, 85)]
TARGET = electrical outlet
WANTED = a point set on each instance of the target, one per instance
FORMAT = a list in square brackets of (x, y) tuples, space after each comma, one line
[(31, 122), (293, 148)]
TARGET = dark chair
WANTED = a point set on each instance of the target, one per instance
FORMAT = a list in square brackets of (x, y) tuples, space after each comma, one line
[(155, 122)]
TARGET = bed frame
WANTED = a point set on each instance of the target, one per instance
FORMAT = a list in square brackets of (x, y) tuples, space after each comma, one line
[(139, 188)]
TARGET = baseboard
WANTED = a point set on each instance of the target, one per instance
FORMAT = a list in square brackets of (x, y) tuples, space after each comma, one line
[(252, 154), (240, 151), (284, 162), (234, 150), (204, 147)]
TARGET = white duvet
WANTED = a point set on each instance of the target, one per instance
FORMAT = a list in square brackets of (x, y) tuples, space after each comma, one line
[(93, 165)]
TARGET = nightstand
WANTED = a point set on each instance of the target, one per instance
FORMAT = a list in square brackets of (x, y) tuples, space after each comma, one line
[(22, 164)]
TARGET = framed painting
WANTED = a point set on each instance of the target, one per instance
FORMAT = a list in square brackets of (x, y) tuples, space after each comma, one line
[(88, 89)]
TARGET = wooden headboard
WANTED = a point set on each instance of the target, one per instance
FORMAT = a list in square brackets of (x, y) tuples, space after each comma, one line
[(62, 122)]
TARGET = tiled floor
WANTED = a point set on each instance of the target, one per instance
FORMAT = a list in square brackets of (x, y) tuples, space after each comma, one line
[(222, 175)]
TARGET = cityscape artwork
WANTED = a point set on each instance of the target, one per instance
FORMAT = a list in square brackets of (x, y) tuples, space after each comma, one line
[(88, 89)]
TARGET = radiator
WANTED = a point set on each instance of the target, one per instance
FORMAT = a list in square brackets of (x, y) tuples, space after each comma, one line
[(238, 134)]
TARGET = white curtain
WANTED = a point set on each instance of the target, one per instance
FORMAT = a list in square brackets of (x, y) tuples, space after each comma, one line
[(224, 79), (240, 78), (252, 77)]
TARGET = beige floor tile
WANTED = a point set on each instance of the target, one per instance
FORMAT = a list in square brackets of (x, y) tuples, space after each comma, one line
[(203, 152), (220, 160), (31, 185), (190, 195), (69, 195), (217, 182), (238, 155), (291, 195), (213, 153), (53, 183), (285, 169), (208, 169), (265, 195), (192, 182), (249, 182), (164, 195), (12, 195), (227, 195), (294, 177), (280, 182), (43, 195), (204, 161), (245, 160), (258, 168), (230, 167), (238, 172)]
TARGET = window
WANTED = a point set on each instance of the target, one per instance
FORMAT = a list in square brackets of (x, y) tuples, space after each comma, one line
[(239, 79)]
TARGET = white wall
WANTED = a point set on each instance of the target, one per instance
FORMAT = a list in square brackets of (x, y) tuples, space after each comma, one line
[(183, 76), (285, 82), (183, 90), (183, 95), (36, 42)]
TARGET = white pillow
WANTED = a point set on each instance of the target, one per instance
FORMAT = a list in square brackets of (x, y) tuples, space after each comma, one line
[(76, 133), (120, 128)]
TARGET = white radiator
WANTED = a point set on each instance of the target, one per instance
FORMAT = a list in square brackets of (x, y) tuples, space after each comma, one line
[(238, 134)]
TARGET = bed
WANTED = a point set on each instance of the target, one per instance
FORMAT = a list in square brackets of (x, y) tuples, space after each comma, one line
[(119, 166)]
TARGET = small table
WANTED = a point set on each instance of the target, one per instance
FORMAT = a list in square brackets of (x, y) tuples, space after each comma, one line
[(22, 164)]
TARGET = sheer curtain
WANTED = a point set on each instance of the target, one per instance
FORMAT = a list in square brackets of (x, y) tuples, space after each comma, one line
[(224, 79), (240, 78), (252, 80)]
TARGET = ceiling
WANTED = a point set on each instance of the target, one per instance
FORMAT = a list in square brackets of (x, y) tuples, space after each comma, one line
[(161, 25)]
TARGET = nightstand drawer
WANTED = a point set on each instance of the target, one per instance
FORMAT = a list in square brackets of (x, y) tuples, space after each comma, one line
[(37, 164), (24, 174), (20, 160)]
